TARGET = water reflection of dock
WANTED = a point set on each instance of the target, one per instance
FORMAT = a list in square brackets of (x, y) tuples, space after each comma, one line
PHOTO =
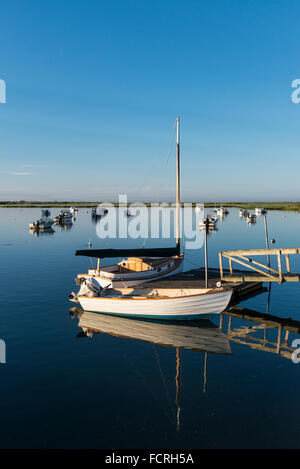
[(256, 336)]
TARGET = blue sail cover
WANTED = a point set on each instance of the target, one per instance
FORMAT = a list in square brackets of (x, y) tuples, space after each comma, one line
[(139, 252)]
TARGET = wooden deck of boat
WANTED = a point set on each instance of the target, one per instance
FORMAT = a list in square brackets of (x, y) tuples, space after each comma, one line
[(195, 278)]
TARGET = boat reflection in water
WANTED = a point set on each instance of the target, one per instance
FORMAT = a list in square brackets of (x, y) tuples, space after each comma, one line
[(198, 336), (201, 335), (210, 230), (64, 226)]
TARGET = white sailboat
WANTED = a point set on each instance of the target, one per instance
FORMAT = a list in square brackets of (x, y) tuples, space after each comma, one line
[(138, 265), (159, 303), (117, 290)]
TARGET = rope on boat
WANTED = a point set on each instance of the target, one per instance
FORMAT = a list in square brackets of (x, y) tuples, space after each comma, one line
[(156, 355), (143, 184)]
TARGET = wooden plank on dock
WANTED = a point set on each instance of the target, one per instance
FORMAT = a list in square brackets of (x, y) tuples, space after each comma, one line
[(195, 278), (236, 278)]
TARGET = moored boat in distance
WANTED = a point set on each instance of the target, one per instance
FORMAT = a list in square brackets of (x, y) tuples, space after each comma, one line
[(46, 212), (243, 212), (209, 220), (251, 218), (64, 217), (98, 212), (222, 211), (260, 211), (43, 223)]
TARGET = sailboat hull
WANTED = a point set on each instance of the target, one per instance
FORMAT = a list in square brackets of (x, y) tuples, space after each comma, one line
[(133, 279), (177, 307)]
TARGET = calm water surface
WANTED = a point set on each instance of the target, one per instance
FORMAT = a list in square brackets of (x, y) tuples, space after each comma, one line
[(61, 389)]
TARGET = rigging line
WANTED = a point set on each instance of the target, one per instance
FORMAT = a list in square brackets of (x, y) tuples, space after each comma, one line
[(154, 163), (166, 164), (146, 384), (144, 243), (156, 355), (177, 381)]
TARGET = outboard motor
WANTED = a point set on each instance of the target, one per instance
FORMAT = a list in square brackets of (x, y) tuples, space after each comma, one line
[(89, 287), (93, 286), (73, 297)]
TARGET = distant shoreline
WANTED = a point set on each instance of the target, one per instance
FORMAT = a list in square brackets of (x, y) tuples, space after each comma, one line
[(288, 206)]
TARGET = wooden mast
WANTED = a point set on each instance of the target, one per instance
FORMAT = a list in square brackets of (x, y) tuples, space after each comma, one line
[(177, 185)]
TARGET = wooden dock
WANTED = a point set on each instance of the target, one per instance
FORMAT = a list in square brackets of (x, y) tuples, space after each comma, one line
[(195, 278), (259, 272)]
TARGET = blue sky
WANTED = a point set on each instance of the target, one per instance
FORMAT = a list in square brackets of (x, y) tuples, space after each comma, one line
[(94, 87)]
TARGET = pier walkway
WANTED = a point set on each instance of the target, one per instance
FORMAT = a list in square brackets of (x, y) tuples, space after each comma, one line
[(259, 272)]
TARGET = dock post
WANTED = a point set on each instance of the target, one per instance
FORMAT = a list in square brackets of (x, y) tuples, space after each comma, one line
[(267, 238), (288, 267), (221, 321), (205, 372), (279, 339), (279, 265), (221, 265), (205, 251)]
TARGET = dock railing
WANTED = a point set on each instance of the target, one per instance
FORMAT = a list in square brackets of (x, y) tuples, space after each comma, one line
[(259, 272)]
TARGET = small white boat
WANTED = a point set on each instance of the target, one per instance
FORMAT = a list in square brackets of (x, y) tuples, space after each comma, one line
[(73, 210), (243, 212), (208, 220), (64, 217), (251, 218), (260, 211), (44, 223), (147, 302), (198, 208), (222, 211), (98, 212), (46, 212), (128, 214), (41, 224)]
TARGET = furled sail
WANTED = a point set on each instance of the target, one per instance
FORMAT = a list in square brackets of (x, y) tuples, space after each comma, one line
[(139, 252)]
